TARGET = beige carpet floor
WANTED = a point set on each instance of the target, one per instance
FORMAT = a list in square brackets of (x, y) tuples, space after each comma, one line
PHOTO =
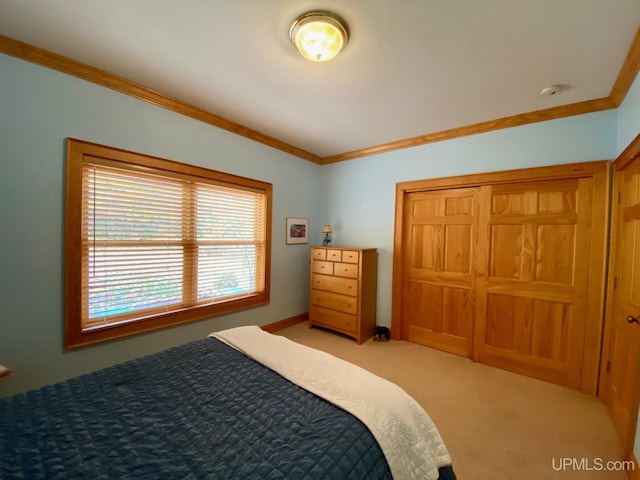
[(497, 425)]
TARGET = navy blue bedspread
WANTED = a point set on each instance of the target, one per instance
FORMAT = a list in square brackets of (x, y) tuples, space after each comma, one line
[(200, 410)]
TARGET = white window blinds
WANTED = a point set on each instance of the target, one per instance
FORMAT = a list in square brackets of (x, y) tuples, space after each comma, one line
[(156, 243)]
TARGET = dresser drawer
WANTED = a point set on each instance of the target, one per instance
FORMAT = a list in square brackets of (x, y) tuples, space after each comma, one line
[(346, 286), (350, 256), (346, 270), (318, 254), (334, 255), (318, 266), (330, 318), (344, 303)]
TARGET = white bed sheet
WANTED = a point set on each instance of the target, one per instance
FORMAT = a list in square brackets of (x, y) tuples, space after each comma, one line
[(407, 436)]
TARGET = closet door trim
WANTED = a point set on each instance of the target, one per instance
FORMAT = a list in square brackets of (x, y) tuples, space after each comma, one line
[(599, 171)]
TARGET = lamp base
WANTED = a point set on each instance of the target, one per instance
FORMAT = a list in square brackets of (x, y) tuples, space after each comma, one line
[(327, 240)]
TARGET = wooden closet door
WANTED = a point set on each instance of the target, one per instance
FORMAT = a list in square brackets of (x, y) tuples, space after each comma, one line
[(532, 303), (438, 268)]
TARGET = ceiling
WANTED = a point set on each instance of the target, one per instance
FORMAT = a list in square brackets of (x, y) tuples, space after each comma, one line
[(412, 68)]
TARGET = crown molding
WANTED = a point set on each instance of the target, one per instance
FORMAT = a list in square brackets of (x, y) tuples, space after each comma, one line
[(45, 58), (63, 64), (553, 113), (626, 77), (627, 73)]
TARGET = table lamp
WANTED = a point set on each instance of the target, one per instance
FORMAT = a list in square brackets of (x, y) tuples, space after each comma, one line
[(327, 238)]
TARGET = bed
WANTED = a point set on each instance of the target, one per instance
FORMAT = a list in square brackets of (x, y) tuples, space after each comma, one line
[(240, 404)]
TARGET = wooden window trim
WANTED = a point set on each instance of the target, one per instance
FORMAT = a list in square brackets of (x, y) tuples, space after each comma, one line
[(77, 153)]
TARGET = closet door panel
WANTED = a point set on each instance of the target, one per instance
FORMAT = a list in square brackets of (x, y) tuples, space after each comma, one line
[(536, 303), (437, 306), (441, 317), (508, 268), (552, 264), (508, 322), (527, 336), (506, 251)]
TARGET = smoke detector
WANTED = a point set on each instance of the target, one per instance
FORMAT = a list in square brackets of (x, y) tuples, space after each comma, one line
[(552, 90)]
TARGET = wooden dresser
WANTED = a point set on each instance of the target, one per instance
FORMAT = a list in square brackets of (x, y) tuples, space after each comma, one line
[(343, 290)]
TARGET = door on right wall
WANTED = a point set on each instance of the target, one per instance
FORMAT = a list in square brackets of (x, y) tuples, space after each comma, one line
[(623, 313)]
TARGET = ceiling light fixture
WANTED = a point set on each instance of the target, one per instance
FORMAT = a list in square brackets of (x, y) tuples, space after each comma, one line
[(319, 35)]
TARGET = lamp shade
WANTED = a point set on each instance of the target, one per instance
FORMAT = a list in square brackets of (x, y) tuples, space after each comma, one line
[(327, 229), (319, 35)]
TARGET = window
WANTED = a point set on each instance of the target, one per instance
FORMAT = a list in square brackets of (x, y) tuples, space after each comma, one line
[(152, 243)]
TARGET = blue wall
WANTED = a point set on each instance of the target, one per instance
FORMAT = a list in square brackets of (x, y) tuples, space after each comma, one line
[(361, 206), (629, 117), (39, 108)]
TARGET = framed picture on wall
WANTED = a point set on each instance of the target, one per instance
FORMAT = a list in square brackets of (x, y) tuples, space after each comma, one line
[(297, 230)]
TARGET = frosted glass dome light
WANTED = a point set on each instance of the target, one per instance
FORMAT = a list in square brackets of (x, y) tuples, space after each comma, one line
[(319, 35)]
